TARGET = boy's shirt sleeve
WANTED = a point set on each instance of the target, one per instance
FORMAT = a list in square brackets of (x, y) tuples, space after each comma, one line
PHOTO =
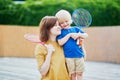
[(79, 30), (59, 37)]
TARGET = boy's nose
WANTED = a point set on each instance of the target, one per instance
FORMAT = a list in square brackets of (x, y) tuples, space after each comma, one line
[(65, 23)]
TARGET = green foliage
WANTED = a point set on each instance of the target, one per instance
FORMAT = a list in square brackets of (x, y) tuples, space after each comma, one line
[(4, 4), (104, 12)]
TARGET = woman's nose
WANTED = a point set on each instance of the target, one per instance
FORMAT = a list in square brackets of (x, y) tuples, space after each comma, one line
[(59, 27)]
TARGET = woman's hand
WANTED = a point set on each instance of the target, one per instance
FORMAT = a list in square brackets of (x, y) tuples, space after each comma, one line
[(50, 48), (46, 65)]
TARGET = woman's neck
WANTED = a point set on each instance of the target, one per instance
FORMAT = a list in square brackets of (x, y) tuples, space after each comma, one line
[(53, 38)]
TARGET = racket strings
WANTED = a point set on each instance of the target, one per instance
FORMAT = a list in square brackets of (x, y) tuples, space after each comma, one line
[(82, 18)]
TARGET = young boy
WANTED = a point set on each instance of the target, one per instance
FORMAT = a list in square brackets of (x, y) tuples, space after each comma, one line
[(74, 54)]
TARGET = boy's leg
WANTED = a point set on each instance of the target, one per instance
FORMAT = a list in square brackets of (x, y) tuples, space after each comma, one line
[(73, 76), (71, 68), (80, 68), (79, 75)]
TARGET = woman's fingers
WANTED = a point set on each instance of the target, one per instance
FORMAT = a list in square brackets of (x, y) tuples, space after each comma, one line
[(50, 47)]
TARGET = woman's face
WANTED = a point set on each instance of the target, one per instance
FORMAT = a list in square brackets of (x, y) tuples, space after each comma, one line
[(56, 29)]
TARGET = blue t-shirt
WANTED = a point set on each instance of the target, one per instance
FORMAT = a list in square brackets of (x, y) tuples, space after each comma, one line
[(71, 49)]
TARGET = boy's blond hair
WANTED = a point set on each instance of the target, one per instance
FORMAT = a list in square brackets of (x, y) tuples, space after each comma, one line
[(63, 15)]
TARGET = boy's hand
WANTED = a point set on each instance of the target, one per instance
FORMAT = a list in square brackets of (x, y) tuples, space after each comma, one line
[(83, 35), (75, 36), (79, 41)]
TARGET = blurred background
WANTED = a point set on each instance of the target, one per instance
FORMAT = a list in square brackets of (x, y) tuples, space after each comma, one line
[(29, 12), (19, 17)]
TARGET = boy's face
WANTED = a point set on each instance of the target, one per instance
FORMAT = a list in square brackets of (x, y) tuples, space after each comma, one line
[(65, 23)]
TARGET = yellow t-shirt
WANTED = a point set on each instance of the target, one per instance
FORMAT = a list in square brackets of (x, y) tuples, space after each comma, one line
[(57, 69)]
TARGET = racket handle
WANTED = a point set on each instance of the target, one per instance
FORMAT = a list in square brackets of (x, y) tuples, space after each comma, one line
[(79, 42)]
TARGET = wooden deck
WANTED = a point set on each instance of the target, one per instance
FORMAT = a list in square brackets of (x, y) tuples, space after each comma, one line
[(26, 69)]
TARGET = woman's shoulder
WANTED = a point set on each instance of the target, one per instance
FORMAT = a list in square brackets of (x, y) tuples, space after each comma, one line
[(40, 49), (40, 46)]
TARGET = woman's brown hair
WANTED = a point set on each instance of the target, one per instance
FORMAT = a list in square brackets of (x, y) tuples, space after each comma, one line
[(46, 24)]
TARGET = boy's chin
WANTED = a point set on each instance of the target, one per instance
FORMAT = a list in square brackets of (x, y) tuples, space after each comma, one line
[(67, 27)]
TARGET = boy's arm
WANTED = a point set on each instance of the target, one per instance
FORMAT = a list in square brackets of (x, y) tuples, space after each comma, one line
[(83, 48), (63, 40), (82, 35), (84, 51)]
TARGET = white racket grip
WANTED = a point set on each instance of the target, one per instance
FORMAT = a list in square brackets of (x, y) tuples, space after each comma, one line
[(78, 41)]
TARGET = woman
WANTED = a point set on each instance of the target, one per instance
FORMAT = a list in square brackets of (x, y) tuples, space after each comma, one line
[(50, 57)]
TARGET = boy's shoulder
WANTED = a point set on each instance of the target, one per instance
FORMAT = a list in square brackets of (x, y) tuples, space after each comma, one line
[(74, 27)]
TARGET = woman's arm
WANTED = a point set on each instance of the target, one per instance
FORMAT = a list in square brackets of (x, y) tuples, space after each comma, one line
[(45, 65)]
